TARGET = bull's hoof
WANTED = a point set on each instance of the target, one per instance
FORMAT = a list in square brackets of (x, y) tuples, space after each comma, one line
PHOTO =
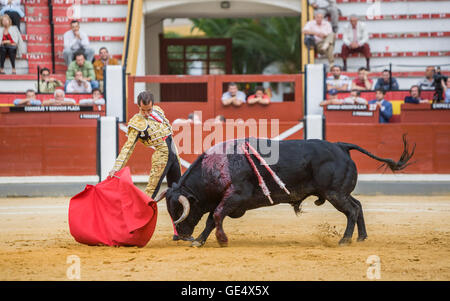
[(362, 238), (197, 244), (177, 238), (345, 241), (223, 244)]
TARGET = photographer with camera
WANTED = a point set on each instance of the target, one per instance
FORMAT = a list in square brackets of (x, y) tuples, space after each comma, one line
[(440, 83)]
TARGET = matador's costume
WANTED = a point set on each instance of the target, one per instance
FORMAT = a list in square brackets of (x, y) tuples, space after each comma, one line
[(155, 132)]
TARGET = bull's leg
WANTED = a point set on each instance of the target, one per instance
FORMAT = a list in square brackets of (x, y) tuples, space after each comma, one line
[(351, 211), (201, 239), (218, 216), (362, 234)]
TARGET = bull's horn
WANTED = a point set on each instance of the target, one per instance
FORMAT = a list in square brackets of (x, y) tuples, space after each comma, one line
[(186, 208), (161, 195)]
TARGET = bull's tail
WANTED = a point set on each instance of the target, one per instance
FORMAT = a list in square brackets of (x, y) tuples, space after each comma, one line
[(391, 164)]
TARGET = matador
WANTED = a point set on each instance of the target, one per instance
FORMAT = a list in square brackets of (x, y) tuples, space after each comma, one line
[(152, 128)]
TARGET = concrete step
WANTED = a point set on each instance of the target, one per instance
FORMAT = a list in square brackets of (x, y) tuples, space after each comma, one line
[(392, 7)]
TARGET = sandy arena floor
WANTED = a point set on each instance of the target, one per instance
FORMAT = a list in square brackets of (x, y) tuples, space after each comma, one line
[(410, 235)]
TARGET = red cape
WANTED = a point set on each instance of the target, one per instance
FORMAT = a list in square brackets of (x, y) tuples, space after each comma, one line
[(114, 212)]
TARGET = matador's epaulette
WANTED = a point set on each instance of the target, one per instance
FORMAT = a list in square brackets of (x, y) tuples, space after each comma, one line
[(158, 108), (138, 122)]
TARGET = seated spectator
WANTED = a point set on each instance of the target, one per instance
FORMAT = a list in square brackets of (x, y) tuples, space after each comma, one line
[(384, 106), (97, 98), (48, 84), (59, 99), (100, 64), (233, 96), (79, 84), (337, 80), (386, 82), (320, 35), (13, 10), (30, 99), (428, 82), (414, 96), (327, 7), (259, 97), (76, 41), (446, 87), (332, 99), (362, 82), (80, 64), (12, 45), (355, 38), (354, 98)]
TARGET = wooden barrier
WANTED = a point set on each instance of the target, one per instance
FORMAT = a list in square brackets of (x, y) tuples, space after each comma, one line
[(425, 113), (385, 140), (48, 150)]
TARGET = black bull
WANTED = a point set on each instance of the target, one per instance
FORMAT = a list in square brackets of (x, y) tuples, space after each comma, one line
[(223, 183)]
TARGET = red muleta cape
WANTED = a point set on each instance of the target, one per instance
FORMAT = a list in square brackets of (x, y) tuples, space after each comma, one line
[(114, 212)]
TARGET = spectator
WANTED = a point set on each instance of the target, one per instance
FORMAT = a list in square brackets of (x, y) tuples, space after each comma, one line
[(30, 99), (79, 84), (11, 44), (414, 96), (332, 99), (384, 106), (327, 7), (76, 41), (80, 64), (59, 99), (446, 87), (100, 64), (362, 82), (259, 97), (386, 83), (233, 96), (97, 99), (428, 82), (355, 39), (354, 98), (336, 80), (320, 35), (48, 84), (13, 10)]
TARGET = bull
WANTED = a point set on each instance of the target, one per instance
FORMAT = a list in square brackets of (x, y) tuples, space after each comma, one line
[(224, 182)]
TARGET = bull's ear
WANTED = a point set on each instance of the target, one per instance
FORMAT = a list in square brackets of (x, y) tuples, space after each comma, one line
[(192, 199)]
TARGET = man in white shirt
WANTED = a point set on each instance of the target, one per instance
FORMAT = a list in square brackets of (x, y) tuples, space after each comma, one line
[(59, 99), (76, 41), (355, 39), (320, 35), (233, 96), (327, 7), (337, 80), (79, 84)]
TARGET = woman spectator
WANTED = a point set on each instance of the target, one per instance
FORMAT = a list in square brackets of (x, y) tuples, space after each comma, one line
[(13, 10), (11, 43)]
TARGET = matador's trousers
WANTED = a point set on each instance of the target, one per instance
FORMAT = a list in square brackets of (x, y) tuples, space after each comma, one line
[(165, 163)]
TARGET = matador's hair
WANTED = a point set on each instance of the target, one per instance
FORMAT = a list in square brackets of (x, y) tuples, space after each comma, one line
[(145, 98)]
